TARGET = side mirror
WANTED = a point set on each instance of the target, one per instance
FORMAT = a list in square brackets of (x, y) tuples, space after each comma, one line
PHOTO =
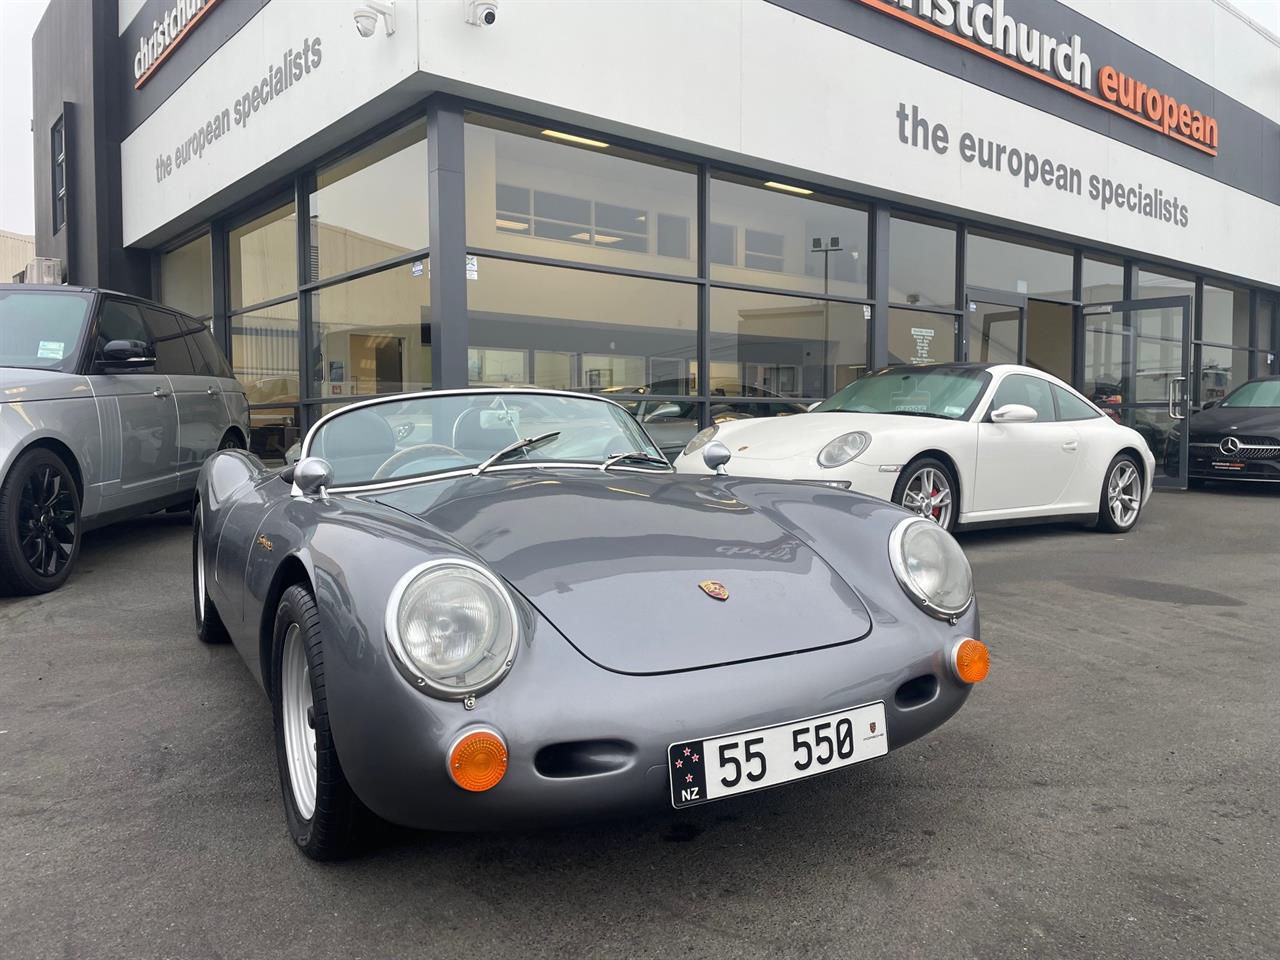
[(715, 455), (1014, 413), (1209, 403), (294, 453), (126, 353), (663, 411), (312, 476)]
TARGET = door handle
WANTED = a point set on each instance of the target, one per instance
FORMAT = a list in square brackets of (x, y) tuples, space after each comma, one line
[(159, 393), (1174, 401), (1071, 445)]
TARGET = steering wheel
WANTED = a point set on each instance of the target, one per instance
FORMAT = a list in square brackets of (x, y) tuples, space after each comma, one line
[(401, 457)]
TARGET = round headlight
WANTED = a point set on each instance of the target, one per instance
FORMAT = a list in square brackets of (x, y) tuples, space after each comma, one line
[(844, 448), (931, 567), (701, 439), (453, 626)]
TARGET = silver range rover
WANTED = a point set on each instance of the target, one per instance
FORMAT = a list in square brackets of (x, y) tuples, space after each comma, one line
[(109, 406)]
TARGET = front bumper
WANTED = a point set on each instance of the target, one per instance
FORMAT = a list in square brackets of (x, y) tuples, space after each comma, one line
[(585, 742)]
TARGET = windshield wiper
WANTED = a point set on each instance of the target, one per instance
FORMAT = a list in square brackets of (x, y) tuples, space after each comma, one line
[(918, 413), (636, 456), (528, 443)]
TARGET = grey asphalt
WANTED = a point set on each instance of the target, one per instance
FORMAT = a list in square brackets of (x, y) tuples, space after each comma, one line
[(1112, 791)]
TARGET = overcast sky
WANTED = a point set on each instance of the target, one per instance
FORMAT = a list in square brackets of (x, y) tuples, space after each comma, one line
[(18, 19)]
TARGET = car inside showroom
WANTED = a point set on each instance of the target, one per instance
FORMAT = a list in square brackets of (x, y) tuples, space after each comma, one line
[(529, 454)]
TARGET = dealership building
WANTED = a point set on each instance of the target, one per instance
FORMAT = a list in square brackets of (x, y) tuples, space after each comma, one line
[(733, 206)]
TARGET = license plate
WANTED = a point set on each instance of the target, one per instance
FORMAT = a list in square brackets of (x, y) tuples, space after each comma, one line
[(719, 767), (1221, 465)]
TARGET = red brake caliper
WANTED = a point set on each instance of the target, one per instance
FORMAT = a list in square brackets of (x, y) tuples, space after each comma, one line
[(937, 511)]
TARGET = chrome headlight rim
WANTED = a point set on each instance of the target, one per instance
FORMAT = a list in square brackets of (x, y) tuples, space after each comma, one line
[(405, 663), (898, 560), (701, 439), (866, 444)]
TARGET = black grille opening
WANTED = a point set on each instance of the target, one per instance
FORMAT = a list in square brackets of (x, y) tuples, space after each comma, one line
[(584, 758), (916, 691)]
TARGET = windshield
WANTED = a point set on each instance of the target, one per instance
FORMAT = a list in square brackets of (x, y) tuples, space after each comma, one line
[(1256, 393), (429, 434), (41, 328), (946, 392)]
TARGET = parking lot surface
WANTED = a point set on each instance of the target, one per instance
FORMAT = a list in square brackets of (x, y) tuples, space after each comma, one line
[(1111, 791)]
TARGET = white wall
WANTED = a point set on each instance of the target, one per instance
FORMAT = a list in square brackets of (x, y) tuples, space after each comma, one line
[(1206, 38)]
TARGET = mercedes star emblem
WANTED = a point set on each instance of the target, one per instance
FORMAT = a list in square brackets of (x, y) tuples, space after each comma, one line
[(1230, 446)]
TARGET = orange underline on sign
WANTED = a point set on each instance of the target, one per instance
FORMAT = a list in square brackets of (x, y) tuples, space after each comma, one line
[(937, 31), (173, 44)]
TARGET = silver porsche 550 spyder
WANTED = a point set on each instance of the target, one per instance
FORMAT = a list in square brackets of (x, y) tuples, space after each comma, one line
[(488, 607)]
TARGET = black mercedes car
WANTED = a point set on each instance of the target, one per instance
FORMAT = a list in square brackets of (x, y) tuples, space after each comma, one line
[(1238, 438)]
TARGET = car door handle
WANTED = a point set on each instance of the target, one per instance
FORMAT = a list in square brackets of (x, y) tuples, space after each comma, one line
[(1071, 445), (159, 393)]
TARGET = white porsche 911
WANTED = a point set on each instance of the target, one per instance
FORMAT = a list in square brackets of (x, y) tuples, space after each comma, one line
[(960, 443)]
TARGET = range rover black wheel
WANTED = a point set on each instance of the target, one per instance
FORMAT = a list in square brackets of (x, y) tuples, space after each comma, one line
[(39, 524), (320, 808)]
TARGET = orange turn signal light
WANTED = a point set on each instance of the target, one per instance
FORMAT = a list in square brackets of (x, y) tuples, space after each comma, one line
[(971, 661), (478, 760)]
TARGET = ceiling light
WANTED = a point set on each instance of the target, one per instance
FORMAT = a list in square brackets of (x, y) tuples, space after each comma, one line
[(571, 138), (605, 238), (511, 224), (788, 188)]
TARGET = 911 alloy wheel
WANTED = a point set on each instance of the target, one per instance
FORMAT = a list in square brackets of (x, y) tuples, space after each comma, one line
[(927, 487), (39, 523), (1121, 496)]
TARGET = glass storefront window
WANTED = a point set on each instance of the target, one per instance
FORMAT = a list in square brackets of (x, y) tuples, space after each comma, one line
[(1151, 284), (264, 353), (561, 327), (1266, 325), (531, 191), (372, 206), (1050, 337), (186, 277), (1018, 266), (1221, 371), (1102, 281), (993, 332), (1226, 316), (263, 258), (766, 238), (372, 335), (769, 345), (273, 430), (922, 263), (917, 336)]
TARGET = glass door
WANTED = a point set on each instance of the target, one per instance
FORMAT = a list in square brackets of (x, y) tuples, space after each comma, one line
[(1137, 357), (995, 326)]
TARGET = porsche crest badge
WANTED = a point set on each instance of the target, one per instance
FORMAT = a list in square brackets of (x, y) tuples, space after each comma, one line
[(263, 542), (714, 589)]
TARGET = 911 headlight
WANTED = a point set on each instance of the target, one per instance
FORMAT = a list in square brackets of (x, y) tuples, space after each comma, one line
[(701, 439), (844, 448), (453, 626), (931, 567)]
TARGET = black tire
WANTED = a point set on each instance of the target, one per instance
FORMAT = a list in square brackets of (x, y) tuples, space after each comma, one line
[(914, 468), (331, 832), (1107, 522), (209, 626), (39, 524)]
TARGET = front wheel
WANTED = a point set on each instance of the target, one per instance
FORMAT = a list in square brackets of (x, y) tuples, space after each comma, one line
[(320, 807), (1121, 501), (928, 487), (209, 626), (39, 524)]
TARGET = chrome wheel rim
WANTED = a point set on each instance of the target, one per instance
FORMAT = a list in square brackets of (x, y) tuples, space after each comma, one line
[(200, 594), (47, 521), (929, 494), (299, 734), (1124, 494)]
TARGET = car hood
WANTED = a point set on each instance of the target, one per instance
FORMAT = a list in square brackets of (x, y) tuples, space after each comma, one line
[(614, 560), (23, 385), (1244, 420), (781, 438)]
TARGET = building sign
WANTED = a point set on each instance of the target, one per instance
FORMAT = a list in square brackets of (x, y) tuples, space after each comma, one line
[(169, 30), (985, 29)]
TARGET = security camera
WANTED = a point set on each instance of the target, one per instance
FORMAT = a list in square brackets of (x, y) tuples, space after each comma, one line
[(366, 17), (482, 13)]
